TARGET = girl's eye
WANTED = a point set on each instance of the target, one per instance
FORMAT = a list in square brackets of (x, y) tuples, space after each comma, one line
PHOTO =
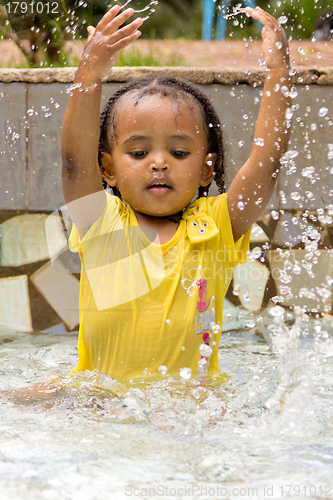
[(179, 154), (138, 154)]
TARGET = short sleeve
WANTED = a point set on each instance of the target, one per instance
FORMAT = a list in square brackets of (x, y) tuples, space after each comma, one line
[(106, 222)]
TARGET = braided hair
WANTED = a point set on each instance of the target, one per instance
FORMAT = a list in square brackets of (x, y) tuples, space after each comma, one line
[(175, 89)]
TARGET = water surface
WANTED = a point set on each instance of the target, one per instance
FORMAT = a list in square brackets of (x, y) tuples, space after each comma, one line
[(266, 432)]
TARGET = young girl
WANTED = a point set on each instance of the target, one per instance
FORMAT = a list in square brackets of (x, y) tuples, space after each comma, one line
[(155, 264)]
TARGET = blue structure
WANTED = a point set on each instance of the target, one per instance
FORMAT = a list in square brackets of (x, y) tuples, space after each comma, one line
[(209, 7)]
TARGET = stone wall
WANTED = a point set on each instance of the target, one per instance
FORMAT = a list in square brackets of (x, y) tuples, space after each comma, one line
[(32, 104)]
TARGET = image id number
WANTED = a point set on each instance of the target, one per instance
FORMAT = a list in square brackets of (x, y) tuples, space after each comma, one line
[(294, 490), (32, 7)]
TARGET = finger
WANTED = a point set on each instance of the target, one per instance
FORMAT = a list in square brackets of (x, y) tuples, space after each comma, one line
[(123, 42), (126, 30), (91, 30), (108, 17), (117, 47), (115, 23), (262, 16)]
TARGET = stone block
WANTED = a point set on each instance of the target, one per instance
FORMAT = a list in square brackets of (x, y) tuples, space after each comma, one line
[(234, 318), (23, 240), (15, 304), (237, 107), (58, 228), (61, 290), (249, 283), (56, 329), (12, 146), (305, 180), (258, 235), (289, 230), (303, 278), (46, 107)]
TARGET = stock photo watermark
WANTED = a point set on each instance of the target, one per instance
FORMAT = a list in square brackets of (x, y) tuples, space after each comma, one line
[(25, 15), (223, 492)]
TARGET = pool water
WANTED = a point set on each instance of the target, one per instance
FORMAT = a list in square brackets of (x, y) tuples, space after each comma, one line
[(264, 431)]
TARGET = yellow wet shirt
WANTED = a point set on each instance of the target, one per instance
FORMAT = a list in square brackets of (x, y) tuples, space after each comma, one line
[(144, 305)]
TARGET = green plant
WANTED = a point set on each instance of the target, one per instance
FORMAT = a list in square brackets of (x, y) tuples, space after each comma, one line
[(300, 16), (136, 57), (13, 64), (41, 36), (40, 29)]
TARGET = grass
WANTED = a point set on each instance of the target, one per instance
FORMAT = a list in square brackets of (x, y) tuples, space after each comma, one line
[(132, 57), (12, 65), (136, 57)]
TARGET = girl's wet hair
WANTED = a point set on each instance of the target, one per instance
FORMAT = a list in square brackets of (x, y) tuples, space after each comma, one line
[(175, 89)]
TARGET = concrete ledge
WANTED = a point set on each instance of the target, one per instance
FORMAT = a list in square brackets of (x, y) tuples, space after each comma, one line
[(203, 76)]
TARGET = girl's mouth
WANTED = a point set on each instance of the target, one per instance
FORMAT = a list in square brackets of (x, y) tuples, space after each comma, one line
[(159, 188)]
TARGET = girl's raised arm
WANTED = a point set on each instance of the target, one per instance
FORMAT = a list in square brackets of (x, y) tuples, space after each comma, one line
[(80, 129), (255, 182)]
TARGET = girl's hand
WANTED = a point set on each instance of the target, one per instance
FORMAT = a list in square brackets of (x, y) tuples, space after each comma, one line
[(274, 38), (105, 42)]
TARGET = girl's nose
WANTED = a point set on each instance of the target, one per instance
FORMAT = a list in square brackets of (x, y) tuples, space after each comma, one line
[(158, 163)]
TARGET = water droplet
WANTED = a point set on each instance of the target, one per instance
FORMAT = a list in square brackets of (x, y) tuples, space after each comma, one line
[(256, 231), (323, 112), (215, 328), (205, 350), (185, 373), (168, 321), (295, 196), (275, 215), (246, 297), (289, 114), (254, 254), (308, 171), (259, 141), (310, 195), (282, 20), (202, 362), (240, 144), (241, 205), (276, 312), (162, 369), (291, 154), (293, 93), (279, 45)]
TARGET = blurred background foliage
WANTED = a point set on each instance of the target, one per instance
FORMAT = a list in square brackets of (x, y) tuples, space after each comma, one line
[(41, 36)]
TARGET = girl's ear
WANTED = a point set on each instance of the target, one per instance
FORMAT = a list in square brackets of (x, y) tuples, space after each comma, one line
[(108, 174), (207, 174)]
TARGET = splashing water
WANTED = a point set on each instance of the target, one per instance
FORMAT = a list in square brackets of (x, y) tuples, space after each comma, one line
[(237, 9), (267, 420), (150, 7)]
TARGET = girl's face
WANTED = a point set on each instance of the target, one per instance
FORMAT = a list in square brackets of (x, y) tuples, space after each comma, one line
[(160, 155)]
